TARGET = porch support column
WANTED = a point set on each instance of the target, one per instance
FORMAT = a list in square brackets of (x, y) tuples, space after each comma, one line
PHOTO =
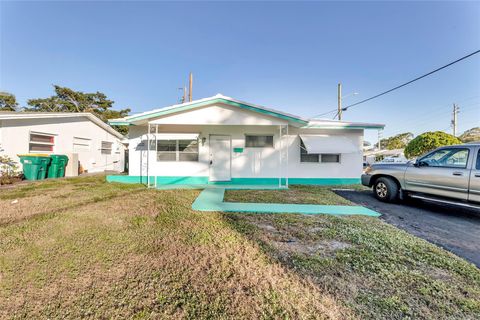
[(283, 160), (148, 155), (288, 151), (280, 156)]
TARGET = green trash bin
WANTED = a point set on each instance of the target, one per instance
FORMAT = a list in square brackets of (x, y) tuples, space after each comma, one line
[(34, 165), (57, 166)]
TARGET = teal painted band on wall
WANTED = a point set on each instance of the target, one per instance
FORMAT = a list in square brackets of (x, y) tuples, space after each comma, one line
[(127, 179), (182, 180), (164, 180), (324, 181), (238, 150), (160, 180)]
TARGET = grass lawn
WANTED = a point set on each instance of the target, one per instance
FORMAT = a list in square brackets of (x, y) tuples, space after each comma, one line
[(295, 194), (81, 247), (377, 270)]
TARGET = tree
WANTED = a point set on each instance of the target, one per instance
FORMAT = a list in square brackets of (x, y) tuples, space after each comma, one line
[(68, 100), (398, 141), (8, 102), (470, 135), (428, 141)]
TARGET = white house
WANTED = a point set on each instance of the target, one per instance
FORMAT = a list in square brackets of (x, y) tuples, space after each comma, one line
[(385, 156), (83, 136), (223, 140)]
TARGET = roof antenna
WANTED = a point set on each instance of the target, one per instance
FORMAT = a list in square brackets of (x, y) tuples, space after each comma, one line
[(184, 97)]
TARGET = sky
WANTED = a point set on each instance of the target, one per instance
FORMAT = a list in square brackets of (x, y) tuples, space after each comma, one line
[(288, 56)]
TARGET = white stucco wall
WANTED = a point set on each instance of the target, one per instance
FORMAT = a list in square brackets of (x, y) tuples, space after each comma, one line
[(219, 114), (14, 139), (253, 162)]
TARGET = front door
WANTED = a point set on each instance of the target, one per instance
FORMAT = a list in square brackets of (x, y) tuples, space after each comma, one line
[(220, 157)]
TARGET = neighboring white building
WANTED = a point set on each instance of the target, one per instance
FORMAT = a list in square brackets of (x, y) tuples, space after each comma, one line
[(98, 146), (384, 156), (223, 140)]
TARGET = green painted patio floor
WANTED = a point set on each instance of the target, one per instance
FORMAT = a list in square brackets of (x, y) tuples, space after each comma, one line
[(211, 199)]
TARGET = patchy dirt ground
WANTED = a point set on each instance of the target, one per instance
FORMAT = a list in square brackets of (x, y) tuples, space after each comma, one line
[(377, 270)]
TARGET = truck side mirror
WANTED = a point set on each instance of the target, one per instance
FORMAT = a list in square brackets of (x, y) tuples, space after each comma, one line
[(420, 163)]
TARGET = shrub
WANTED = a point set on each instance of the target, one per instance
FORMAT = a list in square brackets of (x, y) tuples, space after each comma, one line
[(428, 141), (8, 170)]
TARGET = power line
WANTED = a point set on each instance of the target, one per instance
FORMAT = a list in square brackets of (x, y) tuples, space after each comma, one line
[(408, 82), (426, 118), (416, 79), (325, 113)]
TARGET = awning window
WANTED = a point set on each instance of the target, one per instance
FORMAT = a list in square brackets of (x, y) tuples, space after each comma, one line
[(318, 144), (177, 136)]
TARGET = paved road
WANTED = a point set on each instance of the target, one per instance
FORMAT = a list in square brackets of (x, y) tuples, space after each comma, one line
[(455, 229)]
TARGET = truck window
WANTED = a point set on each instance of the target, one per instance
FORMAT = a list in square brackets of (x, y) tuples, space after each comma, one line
[(478, 160), (449, 158)]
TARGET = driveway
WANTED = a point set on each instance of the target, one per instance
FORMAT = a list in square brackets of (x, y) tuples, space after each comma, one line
[(455, 229)]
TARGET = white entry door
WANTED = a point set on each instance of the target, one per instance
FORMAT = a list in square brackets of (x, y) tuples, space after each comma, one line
[(220, 157)]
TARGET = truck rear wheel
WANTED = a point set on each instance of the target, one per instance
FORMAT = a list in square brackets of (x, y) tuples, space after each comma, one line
[(385, 189)]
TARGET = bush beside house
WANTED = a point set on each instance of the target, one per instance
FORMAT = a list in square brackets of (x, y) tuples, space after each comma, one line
[(428, 141)]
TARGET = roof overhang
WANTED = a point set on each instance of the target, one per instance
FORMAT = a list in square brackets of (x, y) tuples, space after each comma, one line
[(332, 124), (57, 115)]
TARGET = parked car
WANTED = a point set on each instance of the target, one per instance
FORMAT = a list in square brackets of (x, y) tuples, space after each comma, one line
[(448, 174)]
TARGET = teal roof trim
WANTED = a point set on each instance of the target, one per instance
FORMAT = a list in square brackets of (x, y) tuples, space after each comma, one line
[(216, 100), (343, 127), (119, 123)]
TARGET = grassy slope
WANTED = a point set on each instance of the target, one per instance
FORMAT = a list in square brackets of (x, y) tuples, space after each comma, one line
[(83, 248), (379, 271)]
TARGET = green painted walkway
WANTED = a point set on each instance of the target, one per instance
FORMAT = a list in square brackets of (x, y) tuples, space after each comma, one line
[(211, 199)]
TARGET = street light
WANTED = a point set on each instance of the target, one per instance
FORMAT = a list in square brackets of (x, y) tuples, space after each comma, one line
[(350, 94)]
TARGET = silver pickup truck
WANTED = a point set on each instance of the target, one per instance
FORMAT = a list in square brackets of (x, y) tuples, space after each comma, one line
[(448, 174)]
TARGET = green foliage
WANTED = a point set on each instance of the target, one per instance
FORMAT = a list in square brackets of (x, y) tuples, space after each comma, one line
[(470, 135), (68, 100), (428, 141), (8, 102), (398, 141), (8, 170)]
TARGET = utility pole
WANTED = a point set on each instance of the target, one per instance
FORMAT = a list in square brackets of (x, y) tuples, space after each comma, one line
[(380, 139), (340, 101), (190, 87), (455, 112)]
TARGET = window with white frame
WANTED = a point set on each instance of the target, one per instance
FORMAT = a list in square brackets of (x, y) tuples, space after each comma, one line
[(106, 147), (317, 157), (177, 150), (81, 144), (258, 141), (41, 142)]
